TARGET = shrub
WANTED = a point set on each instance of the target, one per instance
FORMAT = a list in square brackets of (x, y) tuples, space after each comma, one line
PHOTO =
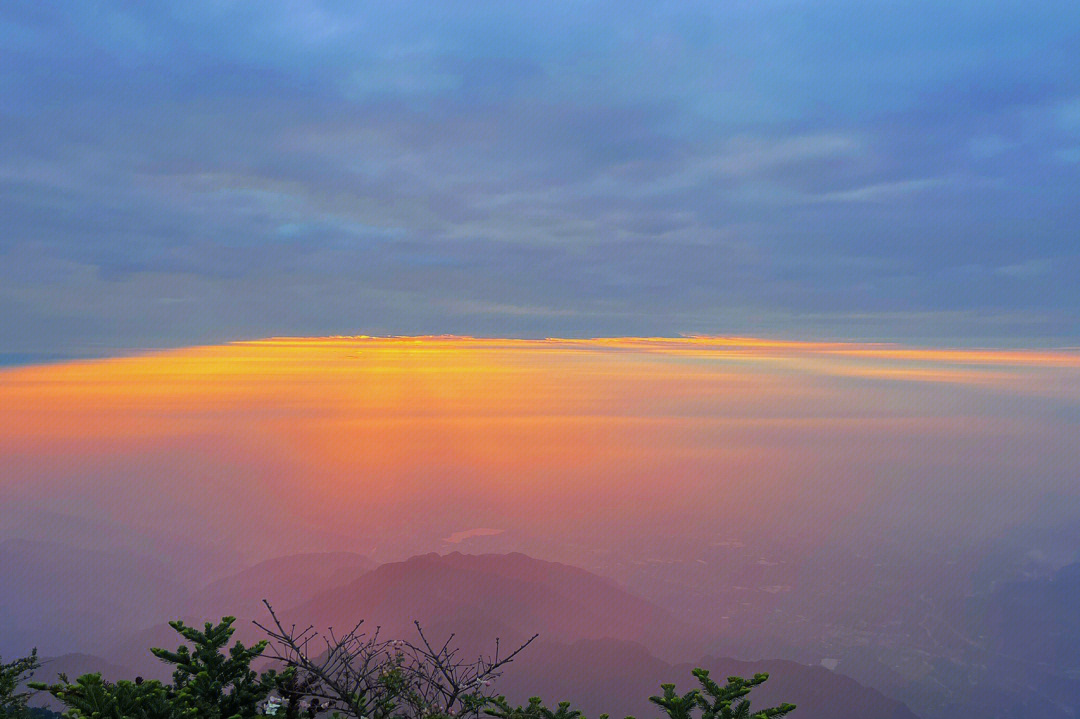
[(351, 675)]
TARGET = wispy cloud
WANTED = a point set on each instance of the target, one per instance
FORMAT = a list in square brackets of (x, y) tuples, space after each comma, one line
[(883, 192)]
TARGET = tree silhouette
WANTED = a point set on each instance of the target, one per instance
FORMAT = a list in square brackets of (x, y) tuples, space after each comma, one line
[(351, 675), (12, 675)]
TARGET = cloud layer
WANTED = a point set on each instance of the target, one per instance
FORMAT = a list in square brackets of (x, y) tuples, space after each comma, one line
[(189, 172), (405, 442)]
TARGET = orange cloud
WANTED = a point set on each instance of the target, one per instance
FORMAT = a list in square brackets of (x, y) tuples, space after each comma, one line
[(359, 430)]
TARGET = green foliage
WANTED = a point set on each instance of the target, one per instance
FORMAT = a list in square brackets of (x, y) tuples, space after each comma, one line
[(535, 709), (12, 674), (212, 680), (718, 702), (711, 701), (42, 713), (91, 697), (674, 705), (296, 695)]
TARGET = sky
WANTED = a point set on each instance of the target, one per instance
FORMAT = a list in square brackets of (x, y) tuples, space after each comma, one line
[(395, 446), (179, 173)]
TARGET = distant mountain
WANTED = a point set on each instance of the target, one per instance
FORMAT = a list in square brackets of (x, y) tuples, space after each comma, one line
[(133, 648), (284, 582), (598, 645), (73, 665), (189, 560), (618, 677), (613, 676), (1030, 632), (599, 641), (76, 664), (60, 597), (1020, 654), (1039, 620), (483, 596)]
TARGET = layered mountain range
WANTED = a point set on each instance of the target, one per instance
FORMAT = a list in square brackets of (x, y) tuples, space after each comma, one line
[(600, 646)]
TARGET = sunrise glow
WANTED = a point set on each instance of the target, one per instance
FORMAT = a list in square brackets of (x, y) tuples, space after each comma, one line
[(538, 431)]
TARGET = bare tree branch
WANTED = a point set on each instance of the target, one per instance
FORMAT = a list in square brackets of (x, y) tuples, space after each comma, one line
[(366, 677)]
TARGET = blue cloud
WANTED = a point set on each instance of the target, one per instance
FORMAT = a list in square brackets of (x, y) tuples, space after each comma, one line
[(832, 168)]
